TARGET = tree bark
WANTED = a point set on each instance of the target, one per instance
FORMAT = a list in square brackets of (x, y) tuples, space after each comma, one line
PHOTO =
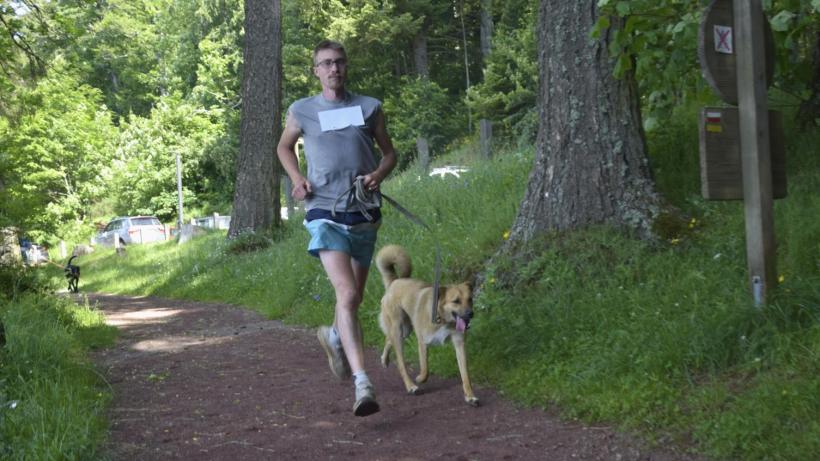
[(591, 165), (10, 247), (423, 71), (420, 53), (486, 28), (261, 121)]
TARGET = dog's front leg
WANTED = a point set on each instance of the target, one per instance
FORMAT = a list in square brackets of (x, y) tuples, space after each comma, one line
[(461, 356), (398, 345), (386, 353), (423, 373)]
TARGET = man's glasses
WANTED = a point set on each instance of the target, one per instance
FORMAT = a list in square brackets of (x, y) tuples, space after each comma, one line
[(328, 63)]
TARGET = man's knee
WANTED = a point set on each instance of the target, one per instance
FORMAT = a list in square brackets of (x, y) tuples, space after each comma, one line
[(348, 297)]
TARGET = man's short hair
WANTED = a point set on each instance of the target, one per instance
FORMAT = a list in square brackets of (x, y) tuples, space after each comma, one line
[(328, 45)]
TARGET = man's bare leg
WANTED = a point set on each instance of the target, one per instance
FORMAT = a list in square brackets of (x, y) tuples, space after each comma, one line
[(339, 269), (348, 279)]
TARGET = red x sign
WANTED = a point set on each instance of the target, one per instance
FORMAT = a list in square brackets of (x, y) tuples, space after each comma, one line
[(723, 39)]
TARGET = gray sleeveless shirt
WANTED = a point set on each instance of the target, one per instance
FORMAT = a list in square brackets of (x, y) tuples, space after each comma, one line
[(338, 137)]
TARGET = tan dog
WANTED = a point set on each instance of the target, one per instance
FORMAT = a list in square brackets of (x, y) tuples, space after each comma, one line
[(407, 306)]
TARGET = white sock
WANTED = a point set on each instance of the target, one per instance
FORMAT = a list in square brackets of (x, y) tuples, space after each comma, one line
[(361, 378)]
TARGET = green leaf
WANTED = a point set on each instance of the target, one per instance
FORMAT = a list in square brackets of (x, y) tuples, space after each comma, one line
[(623, 8), (601, 25), (679, 27), (623, 65), (782, 20)]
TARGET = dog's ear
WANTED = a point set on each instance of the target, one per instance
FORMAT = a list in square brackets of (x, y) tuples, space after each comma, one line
[(470, 285), (442, 300), (442, 294)]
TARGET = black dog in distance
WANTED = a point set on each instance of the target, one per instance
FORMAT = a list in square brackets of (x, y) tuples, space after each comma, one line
[(72, 273)]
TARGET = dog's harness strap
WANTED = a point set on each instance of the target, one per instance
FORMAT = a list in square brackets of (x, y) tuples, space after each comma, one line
[(361, 198)]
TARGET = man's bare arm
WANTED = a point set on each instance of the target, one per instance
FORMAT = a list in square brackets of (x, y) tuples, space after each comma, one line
[(286, 151), (389, 158)]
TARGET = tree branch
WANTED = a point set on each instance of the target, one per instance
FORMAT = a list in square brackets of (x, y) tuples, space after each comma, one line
[(22, 44)]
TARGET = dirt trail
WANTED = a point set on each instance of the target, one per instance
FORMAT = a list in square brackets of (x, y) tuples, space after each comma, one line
[(200, 381)]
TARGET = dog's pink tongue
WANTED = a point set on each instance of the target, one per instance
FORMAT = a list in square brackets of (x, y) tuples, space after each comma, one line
[(460, 324)]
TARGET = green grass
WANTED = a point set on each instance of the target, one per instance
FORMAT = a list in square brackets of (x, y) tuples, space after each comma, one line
[(660, 338), (52, 401)]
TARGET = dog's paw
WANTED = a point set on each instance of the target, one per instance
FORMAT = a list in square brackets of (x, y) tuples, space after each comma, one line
[(385, 361), (472, 401), (414, 390)]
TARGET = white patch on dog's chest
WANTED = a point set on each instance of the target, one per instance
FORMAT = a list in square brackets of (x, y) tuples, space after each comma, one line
[(439, 337)]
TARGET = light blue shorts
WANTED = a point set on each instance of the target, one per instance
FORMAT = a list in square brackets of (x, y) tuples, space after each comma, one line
[(358, 241)]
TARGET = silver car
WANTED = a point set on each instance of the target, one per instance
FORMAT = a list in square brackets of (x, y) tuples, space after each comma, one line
[(132, 229)]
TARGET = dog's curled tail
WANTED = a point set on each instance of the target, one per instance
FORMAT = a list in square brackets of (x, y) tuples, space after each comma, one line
[(393, 263)]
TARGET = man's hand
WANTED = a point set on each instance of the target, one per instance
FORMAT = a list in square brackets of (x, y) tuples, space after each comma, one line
[(371, 181), (301, 189)]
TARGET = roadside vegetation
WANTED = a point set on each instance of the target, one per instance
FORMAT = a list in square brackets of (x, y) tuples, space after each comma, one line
[(52, 400), (101, 99), (660, 338)]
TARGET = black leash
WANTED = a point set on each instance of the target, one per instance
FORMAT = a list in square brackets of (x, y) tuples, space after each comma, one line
[(361, 198)]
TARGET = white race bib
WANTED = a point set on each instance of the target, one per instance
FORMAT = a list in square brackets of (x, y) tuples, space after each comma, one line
[(338, 119)]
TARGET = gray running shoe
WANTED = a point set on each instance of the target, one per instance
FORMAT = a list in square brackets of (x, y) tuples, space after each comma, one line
[(335, 354), (366, 403)]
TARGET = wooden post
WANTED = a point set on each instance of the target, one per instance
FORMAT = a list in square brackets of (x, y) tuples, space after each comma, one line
[(287, 185), (216, 221), (62, 249), (754, 145), (179, 191), (486, 136), (424, 153)]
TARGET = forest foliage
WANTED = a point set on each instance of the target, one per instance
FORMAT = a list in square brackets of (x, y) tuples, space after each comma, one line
[(98, 97)]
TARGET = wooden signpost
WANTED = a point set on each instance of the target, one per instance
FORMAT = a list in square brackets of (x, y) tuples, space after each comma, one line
[(736, 50), (721, 168)]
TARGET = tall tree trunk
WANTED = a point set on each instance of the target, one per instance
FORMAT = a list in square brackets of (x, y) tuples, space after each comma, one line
[(486, 28), (467, 84), (591, 165), (278, 171), (253, 202), (420, 53), (423, 71)]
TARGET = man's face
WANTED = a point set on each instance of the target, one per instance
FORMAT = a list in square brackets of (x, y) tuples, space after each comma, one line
[(331, 68)]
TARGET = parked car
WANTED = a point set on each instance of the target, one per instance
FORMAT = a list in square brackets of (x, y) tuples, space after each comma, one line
[(132, 229), (33, 253)]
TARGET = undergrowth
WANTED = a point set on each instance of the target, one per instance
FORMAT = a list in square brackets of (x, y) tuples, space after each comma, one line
[(52, 401)]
